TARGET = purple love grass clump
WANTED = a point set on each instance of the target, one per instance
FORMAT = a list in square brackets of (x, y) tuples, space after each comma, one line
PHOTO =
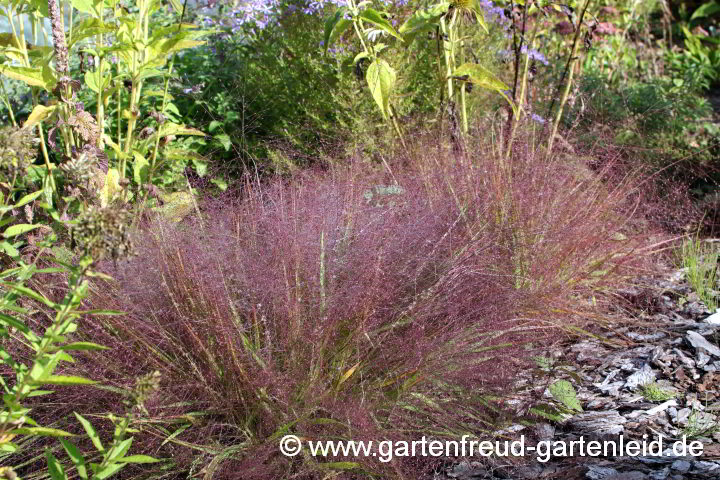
[(354, 304)]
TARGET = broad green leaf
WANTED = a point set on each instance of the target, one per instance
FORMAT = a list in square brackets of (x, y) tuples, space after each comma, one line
[(41, 6), (480, 76), (33, 76), (170, 128), (48, 75), (340, 465), (563, 392), (200, 167), (88, 27), (8, 447), (177, 205), (40, 393), (548, 411), (76, 457), (220, 183), (177, 6), (484, 78), (67, 380), (479, 14), (18, 229), (381, 78), (422, 20), (95, 82), (360, 56), (8, 40), (335, 26), (117, 149), (138, 459), (706, 10), (39, 113), (91, 7), (373, 16), (9, 249), (224, 140), (141, 168), (90, 430)]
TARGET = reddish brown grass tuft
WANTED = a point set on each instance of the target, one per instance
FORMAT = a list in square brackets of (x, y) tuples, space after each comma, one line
[(359, 304)]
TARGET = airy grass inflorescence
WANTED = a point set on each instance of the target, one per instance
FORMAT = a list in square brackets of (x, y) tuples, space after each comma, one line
[(358, 304)]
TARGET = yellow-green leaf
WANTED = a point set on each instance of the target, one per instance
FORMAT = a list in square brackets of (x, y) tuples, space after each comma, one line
[(92, 7), (30, 75), (480, 76), (111, 187), (141, 167), (381, 79), (41, 431), (138, 459), (67, 380), (28, 198), (563, 392), (91, 432), (39, 113), (18, 229), (348, 374)]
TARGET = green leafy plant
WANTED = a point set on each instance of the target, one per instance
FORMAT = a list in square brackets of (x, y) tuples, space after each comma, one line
[(370, 25), (656, 393), (130, 51), (698, 64), (33, 356), (700, 258)]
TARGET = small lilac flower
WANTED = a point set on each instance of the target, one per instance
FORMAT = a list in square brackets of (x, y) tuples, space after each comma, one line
[(537, 118), (534, 55)]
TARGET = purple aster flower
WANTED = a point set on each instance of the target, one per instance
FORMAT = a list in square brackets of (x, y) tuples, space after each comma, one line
[(537, 118), (534, 55)]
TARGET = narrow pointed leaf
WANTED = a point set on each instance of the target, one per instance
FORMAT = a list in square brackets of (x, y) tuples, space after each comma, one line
[(76, 457), (138, 459), (335, 25), (90, 430), (18, 229), (67, 380)]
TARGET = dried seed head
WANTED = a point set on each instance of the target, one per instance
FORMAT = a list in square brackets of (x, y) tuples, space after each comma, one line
[(18, 149), (103, 232), (145, 386)]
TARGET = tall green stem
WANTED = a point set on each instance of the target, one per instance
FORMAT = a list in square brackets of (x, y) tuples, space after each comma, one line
[(571, 58), (569, 73), (523, 89), (463, 104), (6, 101)]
